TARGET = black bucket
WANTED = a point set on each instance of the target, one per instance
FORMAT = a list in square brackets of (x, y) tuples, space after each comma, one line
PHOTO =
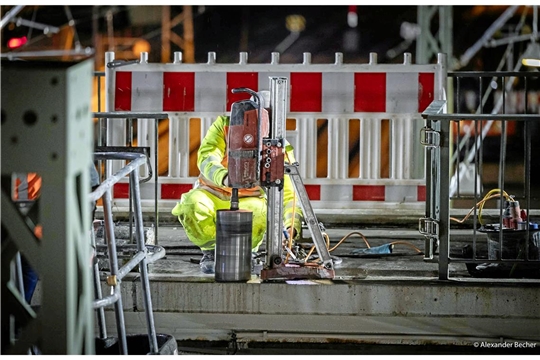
[(515, 246), (138, 344)]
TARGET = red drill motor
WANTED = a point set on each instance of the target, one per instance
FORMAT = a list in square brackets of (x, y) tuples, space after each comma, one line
[(234, 226), (244, 141)]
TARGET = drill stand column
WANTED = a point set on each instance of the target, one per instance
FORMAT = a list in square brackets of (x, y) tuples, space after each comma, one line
[(274, 169)]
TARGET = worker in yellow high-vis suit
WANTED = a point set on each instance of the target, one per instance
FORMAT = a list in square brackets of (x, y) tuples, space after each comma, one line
[(197, 208)]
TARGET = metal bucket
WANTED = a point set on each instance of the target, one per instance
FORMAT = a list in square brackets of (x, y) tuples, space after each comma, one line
[(233, 245)]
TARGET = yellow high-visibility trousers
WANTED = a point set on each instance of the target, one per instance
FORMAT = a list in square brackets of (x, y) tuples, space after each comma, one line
[(197, 209)]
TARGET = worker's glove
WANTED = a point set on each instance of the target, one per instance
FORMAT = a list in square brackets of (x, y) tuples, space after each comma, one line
[(226, 181)]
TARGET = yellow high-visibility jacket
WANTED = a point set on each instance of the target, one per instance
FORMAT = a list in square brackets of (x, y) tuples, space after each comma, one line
[(212, 163)]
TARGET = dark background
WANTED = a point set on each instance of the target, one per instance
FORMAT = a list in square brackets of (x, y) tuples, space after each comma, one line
[(229, 29)]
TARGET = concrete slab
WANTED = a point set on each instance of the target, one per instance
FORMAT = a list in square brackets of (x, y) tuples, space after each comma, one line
[(392, 299)]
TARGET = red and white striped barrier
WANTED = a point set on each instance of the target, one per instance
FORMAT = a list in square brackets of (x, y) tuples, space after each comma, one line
[(343, 89), (369, 94)]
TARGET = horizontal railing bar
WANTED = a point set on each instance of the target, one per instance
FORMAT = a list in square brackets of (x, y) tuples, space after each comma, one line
[(492, 74), (130, 115), (481, 117)]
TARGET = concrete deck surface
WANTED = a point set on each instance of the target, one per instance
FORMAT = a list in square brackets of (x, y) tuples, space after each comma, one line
[(374, 305)]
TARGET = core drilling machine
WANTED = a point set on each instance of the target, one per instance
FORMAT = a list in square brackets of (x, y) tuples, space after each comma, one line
[(254, 160)]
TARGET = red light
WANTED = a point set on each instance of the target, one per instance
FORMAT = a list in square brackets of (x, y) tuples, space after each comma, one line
[(16, 42)]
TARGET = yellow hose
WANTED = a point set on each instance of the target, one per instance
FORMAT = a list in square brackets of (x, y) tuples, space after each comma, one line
[(492, 194)]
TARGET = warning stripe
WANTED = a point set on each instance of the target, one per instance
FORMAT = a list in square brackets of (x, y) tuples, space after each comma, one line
[(147, 91), (179, 91), (309, 91), (314, 192), (122, 93), (368, 193), (426, 90), (370, 92), (306, 92), (421, 195), (210, 91), (240, 80), (121, 191), (174, 191)]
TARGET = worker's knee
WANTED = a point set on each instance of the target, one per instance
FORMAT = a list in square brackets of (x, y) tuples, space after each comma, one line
[(196, 212), (197, 204), (254, 204), (197, 209)]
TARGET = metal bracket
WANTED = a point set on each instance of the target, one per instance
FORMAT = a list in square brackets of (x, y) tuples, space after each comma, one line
[(118, 63), (272, 163), (428, 227), (112, 280), (430, 137)]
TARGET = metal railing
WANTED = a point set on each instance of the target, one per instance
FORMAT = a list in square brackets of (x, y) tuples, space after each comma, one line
[(116, 143), (144, 254), (480, 92), (510, 245)]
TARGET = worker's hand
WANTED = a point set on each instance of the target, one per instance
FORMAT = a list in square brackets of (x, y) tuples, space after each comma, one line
[(226, 181), (286, 235)]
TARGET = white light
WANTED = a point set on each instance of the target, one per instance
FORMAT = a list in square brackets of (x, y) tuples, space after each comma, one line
[(531, 56), (531, 62), (352, 19), (409, 31)]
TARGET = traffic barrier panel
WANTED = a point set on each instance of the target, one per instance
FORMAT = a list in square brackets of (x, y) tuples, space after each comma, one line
[(365, 119)]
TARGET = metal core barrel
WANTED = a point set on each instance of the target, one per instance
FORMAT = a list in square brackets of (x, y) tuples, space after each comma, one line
[(233, 245)]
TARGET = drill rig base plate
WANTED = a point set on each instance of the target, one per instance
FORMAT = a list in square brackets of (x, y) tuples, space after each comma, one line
[(290, 272)]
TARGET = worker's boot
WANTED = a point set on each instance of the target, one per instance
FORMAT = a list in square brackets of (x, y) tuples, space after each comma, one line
[(207, 262)]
